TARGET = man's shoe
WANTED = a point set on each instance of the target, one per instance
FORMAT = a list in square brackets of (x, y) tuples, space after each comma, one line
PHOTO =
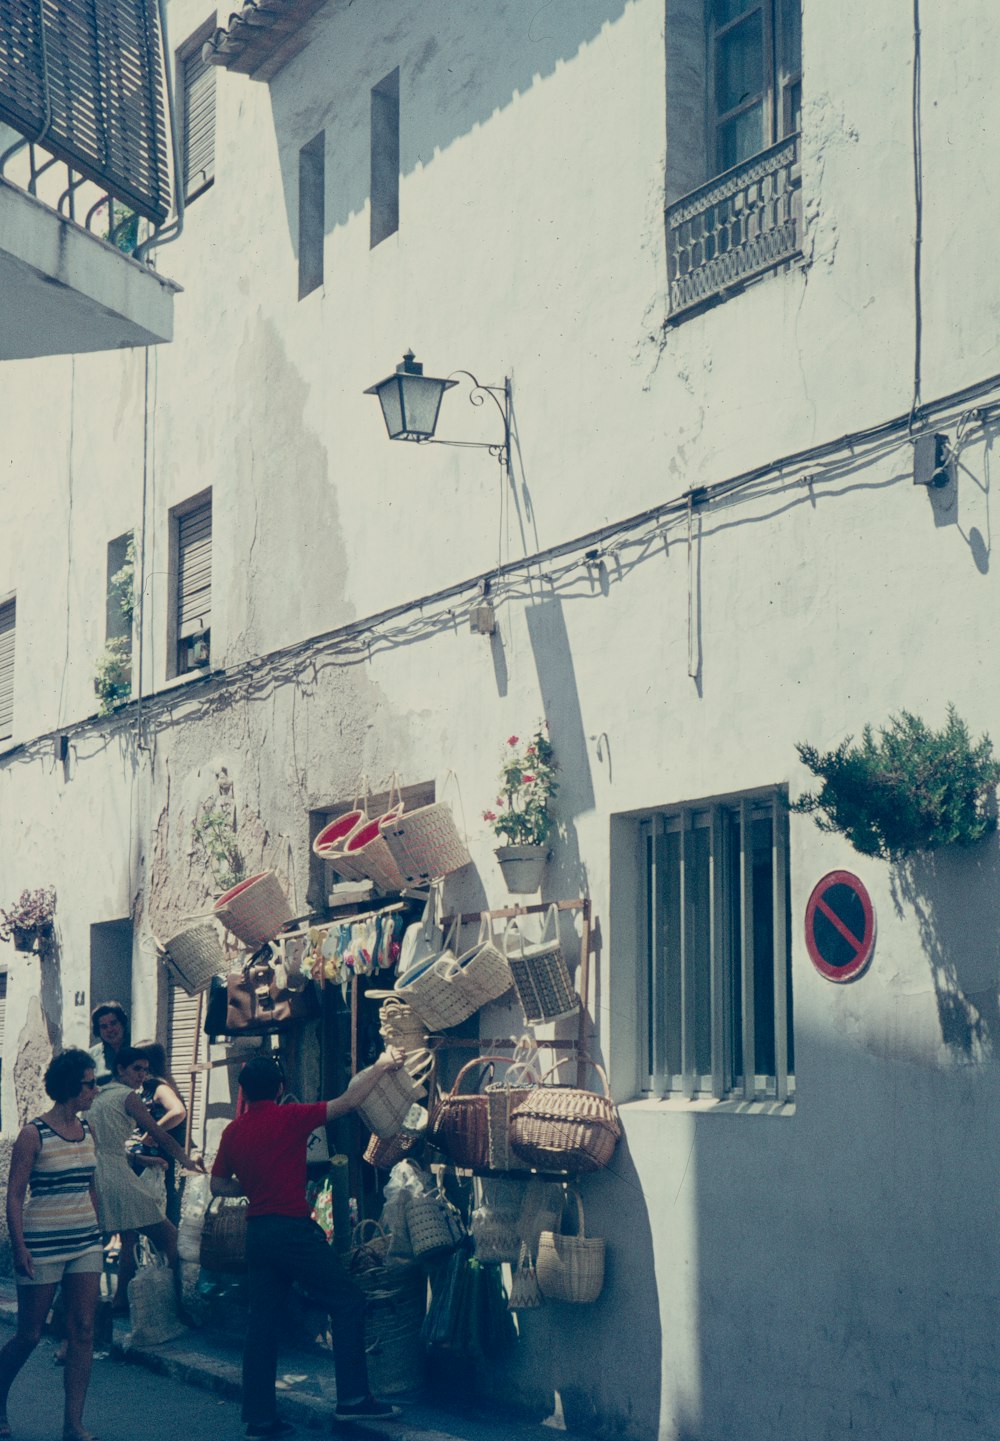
[(367, 1410), (272, 1428)]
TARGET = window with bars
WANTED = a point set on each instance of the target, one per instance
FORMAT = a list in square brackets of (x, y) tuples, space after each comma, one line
[(192, 616), (718, 999), (197, 87), (8, 615)]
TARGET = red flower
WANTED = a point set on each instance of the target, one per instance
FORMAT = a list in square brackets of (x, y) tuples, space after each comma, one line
[(530, 751), (513, 740), (525, 777), (489, 815)]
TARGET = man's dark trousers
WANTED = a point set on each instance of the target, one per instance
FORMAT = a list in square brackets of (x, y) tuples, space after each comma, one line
[(282, 1250)]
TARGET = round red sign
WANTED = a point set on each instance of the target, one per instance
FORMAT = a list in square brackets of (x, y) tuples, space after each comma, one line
[(840, 926)]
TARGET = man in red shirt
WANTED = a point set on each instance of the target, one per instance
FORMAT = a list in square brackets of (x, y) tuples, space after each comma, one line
[(262, 1154)]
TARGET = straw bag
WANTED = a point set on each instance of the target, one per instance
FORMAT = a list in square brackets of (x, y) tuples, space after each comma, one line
[(570, 1268), (501, 1099), (152, 1300), (334, 837), (524, 1292), (365, 853), (193, 957), (543, 983), (424, 939), (495, 1225), (425, 843), (224, 1236), (484, 974), (400, 1026), (459, 1125), (394, 1314), (385, 1107), (434, 1225), (255, 910), (561, 1128), (432, 990), (384, 1154)]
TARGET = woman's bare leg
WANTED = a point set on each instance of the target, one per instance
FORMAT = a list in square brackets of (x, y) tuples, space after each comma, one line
[(80, 1292), (126, 1270), (33, 1303)]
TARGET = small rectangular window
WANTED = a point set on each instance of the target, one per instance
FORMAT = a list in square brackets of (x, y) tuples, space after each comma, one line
[(385, 158), (717, 955), (192, 547), (197, 87), (312, 213), (8, 614)]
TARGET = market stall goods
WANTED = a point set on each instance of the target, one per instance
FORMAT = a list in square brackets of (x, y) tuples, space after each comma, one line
[(571, 1267), (565, 1128)]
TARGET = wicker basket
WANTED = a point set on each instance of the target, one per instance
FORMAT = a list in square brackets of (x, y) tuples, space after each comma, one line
[(224, 1237), (396, 1306), (385, 1107), (570, 1268), (433, 1224), (384, 1154), (255, 910), (459, 1125), (502, 1098), (425, 843), (334, 837), (539, 972), (365, 855), (484, 974), (194, 956), (433, 989), (561, 1128)]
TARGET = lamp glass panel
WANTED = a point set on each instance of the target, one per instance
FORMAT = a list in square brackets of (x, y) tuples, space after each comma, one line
[(392, 406), (421, 402)]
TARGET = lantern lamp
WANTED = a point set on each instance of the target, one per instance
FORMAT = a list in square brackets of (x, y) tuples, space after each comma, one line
[(410, 400)]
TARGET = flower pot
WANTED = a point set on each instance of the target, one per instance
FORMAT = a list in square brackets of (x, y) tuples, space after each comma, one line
[(523, 867)]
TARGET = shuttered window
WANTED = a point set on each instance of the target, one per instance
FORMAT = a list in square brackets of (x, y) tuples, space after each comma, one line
[(194, 586), (7, 614), (199, 123), (3, 1008), (186, 1047)]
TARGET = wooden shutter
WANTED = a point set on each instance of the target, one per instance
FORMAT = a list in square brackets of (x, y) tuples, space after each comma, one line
[(7, 616), (186, 1046), (199, 123), (194, 571), (3, 1008)]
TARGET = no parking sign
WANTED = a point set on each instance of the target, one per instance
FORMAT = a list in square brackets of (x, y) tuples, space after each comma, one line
[(840, 926)]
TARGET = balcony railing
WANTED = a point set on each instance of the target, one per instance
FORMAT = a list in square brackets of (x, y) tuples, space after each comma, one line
[(736, 227)]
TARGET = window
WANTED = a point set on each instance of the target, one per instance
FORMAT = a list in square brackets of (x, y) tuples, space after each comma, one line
[(718, 1013), (119, 604), (312, 217), (7, 618), (197, 87), (754, 75), (385, 158), (191, 546)]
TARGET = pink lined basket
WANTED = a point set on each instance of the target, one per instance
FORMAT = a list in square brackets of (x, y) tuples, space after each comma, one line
[(334, 837), (255, 910), (366, 854)]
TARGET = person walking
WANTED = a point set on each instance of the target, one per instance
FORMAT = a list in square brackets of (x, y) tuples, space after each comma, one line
[(55, 1237), (262, 1154)]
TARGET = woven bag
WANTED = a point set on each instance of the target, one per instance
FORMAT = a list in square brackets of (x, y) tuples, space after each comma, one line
[(425, 843), (433, 1224), (365, 854), (495, 1227), (524, 1292), (570, 1268), (502, 1097), (193, 957), (484, 974), (400, 1026), (431, 989), (561, 1128), (152, 1300), (394, 1313), (255, 910), (459, 1125), (384, 1154), (224, 1237), (334, 837), (540, 975), (385, 1107)]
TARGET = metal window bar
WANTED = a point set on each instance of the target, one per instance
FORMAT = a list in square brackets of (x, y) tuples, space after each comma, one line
[(718, 927), (779, 903), (747, 950)]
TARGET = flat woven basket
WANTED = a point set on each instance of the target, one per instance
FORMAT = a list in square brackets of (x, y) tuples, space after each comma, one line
[(425, 843), (224, 1237), (540, 975), (570, 1268), (194, 957), (459, 1125), (255, 910), (561, 1128)]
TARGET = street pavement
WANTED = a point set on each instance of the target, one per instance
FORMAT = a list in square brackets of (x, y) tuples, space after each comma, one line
[(189, 1389)]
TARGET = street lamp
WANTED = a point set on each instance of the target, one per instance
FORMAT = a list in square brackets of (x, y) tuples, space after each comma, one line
[(410, 402)]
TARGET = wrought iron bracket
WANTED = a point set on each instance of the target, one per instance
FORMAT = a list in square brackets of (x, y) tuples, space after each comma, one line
[(501, 398)]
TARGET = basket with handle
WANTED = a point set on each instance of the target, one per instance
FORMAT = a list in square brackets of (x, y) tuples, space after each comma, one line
[(484, 974), (495, 1225), (224, 1236), (524, 1292), (334, 836), (400, 1026), (459, 1124), (433, 1224), (365, 854), (433, 990), (570, 1268), (385, 1107), (502, 1097), (383, 1154), (563, 1128), (194, 956), (540, 975), (255, 910), (425, 843)]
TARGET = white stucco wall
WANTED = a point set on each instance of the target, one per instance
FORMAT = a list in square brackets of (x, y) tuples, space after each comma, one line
[(817, 1275)]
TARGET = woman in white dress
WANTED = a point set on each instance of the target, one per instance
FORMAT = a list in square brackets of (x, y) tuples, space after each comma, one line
[(123, 1203)]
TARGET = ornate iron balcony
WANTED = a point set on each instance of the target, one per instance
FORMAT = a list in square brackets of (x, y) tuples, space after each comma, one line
[(736, 227)]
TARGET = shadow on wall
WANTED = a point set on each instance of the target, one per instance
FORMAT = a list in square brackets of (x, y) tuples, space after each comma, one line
[(950, 892)]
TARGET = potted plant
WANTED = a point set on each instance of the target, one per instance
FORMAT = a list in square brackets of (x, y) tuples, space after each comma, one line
[(523, 817), (29, 920)]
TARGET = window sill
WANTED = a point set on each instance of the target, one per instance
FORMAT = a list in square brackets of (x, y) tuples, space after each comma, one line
[(704, 1105), (188, 678)]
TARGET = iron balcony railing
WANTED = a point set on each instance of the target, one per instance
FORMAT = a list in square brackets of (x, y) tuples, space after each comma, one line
[(736, 227)]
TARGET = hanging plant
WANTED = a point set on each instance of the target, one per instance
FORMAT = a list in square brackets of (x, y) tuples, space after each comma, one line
[(113, 677), (215, 837), (907, 788), (122, 584), (29, 920)]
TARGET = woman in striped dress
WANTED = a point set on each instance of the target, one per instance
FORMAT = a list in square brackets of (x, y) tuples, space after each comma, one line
[(55, 1236)]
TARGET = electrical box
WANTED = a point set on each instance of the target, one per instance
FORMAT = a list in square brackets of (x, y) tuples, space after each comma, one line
[(932, 460)]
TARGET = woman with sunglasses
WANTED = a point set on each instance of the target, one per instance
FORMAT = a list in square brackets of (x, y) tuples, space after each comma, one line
[(123, 1203), (55, 1237)]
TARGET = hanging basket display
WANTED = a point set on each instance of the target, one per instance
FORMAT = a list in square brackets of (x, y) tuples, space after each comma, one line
[(255, 910)]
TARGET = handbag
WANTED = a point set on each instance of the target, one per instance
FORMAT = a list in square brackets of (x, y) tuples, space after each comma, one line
[(224, 1236), (433, 1224), (459, 1125), (501, 1099), (255, 1001), (524, 1292), (431, 989), (152, 1299), (562, 1128), (495, 1228), (543, 983), (570, 1268), (424, 939), (385, 1107), (483, 972)]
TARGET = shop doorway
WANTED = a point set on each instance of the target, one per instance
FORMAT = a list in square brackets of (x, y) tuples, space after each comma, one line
[(111, 963)]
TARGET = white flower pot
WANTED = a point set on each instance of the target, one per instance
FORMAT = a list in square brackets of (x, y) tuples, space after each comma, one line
[(523, 867)]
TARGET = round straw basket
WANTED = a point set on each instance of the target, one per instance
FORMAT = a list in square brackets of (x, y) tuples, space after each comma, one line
[(195, 957), (425, 843), (570, 1268), (561, 1128), (224, 1237), (334, 836), (255, 910), (366, 855)]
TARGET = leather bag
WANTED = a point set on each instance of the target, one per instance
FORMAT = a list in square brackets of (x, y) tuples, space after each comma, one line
[(256, 1001)]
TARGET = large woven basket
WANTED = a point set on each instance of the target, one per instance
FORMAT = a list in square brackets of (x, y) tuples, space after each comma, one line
[(194, 956), (502, 1099), (333, 837), (561, 1128), (435, 991), (255, 910), (425, 843), (459, 1125), (394, 1314), (385, 1107), (540, 975), (433, 1224), (224, 1237), (365, 855), (570, 1268), (484, 974)]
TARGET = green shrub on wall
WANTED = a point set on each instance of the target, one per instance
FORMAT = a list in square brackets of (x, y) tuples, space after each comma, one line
[(908, 788)]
